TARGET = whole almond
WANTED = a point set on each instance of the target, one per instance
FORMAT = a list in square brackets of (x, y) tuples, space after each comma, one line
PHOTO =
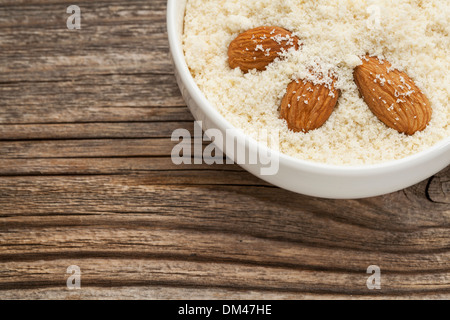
[(259, 47), (306, 106), (392, 96)]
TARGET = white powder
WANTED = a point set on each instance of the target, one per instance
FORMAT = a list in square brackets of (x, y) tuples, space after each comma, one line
[(413, 36)]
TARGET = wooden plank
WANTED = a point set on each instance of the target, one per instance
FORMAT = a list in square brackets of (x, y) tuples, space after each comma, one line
[(34, 115), (112, 272), (375, 224), (177, 293), (91, 148), (105, 166), (116, 130), (157, 236), (191, 176), (139, 90), (93, 99), (142, 165)]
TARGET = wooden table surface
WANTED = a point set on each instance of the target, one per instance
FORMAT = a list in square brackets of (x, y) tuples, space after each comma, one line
[(86, 179)]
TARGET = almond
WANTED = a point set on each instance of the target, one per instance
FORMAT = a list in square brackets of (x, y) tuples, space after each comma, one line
[(306, 106), (392, 96), (259, 47)]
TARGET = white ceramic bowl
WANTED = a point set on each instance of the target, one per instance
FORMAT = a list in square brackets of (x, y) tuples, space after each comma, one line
[(314, 179)]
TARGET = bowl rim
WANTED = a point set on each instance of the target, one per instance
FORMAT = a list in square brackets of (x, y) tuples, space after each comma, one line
[(179, 60)]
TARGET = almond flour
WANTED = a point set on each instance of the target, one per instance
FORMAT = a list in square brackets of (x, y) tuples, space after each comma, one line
[(411, 34)]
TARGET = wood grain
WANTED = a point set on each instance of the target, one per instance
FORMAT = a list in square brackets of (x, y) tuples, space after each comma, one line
[(86, 179)]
